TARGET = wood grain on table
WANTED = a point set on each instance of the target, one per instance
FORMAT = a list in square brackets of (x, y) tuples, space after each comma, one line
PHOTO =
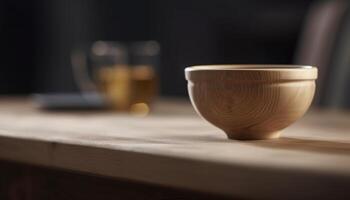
[(174, 147)]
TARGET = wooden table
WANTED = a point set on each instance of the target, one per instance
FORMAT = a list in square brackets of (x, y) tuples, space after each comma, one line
[(174, 148)]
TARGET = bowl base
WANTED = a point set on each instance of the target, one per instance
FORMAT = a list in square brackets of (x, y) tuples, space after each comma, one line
[(243, 135)]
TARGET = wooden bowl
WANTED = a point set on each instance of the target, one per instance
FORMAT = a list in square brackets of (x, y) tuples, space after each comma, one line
[(251, 101)]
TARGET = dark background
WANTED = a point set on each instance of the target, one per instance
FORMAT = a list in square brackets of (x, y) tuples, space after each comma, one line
[(37, 36)]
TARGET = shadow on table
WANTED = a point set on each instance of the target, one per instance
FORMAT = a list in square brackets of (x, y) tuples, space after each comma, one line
[(310, 145)]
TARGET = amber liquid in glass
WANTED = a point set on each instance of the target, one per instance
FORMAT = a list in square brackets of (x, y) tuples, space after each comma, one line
[(128, 88)]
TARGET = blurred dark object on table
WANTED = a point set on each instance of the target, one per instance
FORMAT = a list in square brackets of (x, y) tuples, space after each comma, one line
[(69, 101)]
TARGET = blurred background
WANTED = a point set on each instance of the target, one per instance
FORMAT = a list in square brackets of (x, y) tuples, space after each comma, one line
[(39, 36)]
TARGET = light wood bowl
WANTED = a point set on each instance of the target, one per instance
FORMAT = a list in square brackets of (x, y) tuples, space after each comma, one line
[(251, 101)]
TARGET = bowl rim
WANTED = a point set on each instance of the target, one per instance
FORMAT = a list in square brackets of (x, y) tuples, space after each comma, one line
[(248, 67), (251, 72)]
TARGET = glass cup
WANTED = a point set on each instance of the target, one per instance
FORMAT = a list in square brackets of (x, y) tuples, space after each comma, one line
[(126, 75)]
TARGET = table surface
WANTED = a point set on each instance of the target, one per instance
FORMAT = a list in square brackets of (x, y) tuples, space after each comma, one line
[(174, 147)]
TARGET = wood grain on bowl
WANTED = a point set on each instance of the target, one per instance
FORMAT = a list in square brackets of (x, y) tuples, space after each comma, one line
[(249, 102)]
